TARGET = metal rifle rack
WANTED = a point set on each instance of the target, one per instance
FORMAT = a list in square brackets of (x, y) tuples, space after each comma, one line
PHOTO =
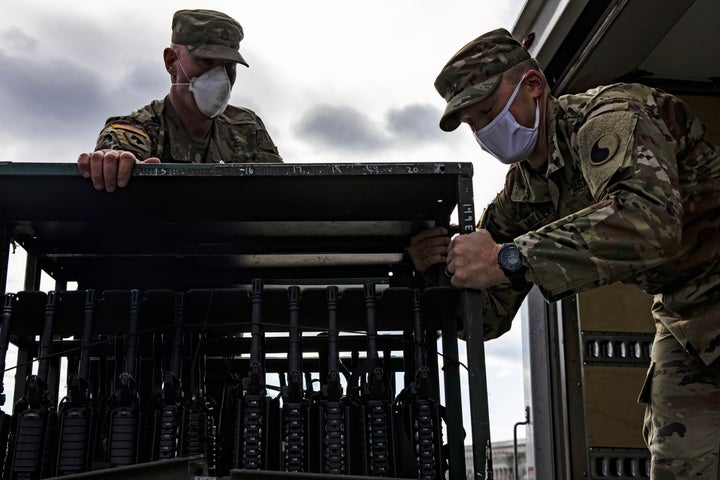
[(203, 279)]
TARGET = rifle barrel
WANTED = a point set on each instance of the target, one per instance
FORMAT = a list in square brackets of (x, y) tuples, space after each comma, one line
[(371, 326), (86, 340)]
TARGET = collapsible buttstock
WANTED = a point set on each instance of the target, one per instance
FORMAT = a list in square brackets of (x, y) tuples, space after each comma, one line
[(199, 434), (417, 419), (123, 437), (168, 420), (376, 394), (256, 430), (294, 433), (77, 410), (74, 439), (31, 453)]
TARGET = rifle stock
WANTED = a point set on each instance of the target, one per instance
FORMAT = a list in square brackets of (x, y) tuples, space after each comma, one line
[(417, 415), (376, 395), (331, 397), (250, 401), (77, 409), (32, 448), (294, 411), (124, 410), (168, 416), (199, 432)]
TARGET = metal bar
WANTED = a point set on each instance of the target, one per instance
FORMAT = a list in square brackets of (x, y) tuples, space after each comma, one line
[(456, 441), (453, 403), (569, 325), (515, 442), (471, 306), (32, 272), (172, 469), (538, 353)]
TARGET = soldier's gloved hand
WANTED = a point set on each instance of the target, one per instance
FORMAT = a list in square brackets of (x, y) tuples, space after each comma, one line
[(109, 169)]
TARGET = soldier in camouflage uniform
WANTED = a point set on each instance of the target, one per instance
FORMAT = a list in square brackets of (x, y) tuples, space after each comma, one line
[(617, 184), (193, 123)]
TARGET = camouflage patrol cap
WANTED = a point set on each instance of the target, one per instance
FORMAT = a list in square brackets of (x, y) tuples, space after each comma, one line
[(475, 71), (208, 34)]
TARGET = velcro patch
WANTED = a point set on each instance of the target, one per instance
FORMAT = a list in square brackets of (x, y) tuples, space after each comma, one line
[(603, 143), (129, 128)]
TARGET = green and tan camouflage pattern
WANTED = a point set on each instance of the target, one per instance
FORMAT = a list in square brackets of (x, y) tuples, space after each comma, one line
[(208, 34), (238, 136), (631, 194), (682, 419), (475, 71)]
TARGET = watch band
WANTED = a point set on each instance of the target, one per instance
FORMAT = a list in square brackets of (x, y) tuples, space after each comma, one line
[(517, 280)]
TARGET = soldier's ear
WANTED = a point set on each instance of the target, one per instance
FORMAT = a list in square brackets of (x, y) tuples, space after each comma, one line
[(170, 58), (536, 80)]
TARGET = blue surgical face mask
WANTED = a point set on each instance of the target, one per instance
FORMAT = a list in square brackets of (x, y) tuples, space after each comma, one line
[(504, 138), (211, 90)]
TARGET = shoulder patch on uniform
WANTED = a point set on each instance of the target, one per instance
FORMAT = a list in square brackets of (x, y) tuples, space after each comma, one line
[(129, 128), (121, 136), (603, 143), (604, 148)]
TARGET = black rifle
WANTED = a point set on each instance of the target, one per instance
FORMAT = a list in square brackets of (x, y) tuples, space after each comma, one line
[(294, 410), (31, 453), (199, 432), (77, 409), (376, 395), (169, 414), (5, 419), (332, 396), (417, 416), (124, 408), (251, 403)]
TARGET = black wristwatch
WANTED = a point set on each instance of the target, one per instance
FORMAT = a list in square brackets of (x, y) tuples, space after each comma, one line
[(511, 264)]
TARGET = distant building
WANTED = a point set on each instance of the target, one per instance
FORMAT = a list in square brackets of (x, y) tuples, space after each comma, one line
[(503, 460)]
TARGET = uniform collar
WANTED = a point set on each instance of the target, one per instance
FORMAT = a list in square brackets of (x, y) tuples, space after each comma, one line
[(531, 186)]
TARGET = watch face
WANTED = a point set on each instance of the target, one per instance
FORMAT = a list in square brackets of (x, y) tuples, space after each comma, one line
[(509, 257)]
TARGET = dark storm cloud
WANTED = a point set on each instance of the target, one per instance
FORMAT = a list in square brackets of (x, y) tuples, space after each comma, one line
[(47, 93), (348, 129), (415, 122), (54, 99), (342, 128)]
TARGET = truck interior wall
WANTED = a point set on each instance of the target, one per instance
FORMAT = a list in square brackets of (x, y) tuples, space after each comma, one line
[(616, 335)]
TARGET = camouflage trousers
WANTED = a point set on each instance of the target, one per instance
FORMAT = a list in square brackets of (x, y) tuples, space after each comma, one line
[(682, 416)]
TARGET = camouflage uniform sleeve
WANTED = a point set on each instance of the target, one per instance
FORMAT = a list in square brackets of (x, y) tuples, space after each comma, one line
[(122, 134), (628, 160), (267, 152), (503, 303)]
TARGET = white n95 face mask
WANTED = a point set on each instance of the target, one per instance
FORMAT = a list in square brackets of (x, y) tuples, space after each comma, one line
[(504, 138), (211, 90)]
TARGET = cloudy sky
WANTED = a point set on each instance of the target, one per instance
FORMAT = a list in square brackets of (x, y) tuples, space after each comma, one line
[(333, 81)]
